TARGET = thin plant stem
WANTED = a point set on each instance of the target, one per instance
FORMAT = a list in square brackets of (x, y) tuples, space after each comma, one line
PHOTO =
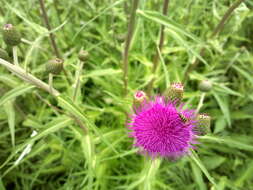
[(15, 55), (50, 81), (160, 46), (77, 83), (51, 36), (127, 44), (216, 31), (201, 100)]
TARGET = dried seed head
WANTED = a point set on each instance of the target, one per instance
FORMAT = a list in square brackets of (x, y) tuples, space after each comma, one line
[(54, 66), (83, 55), (4, 55), (205, 86), (139, 98), (10, 35), (203, 124), (175, 92)]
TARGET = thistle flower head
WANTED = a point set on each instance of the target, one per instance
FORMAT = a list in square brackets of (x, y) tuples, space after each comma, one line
[(158, 128)]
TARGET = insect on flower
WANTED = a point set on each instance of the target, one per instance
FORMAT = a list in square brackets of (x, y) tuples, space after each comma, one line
[(161, 127)]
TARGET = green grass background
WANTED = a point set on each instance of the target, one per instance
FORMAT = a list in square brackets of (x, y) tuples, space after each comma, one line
[(64, 156)]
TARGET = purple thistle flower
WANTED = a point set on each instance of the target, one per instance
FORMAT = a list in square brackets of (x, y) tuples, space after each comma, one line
[(159, 130)]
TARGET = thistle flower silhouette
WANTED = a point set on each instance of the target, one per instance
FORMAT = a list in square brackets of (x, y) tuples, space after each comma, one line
[(161, 128)]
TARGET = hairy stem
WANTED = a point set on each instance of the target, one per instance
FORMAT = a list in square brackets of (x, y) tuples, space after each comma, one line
[(160, 46), (21, 73), (50, 81), (127, 44), (216, 31), (201, 100), (15, 55), (51, 35), (77, 83)]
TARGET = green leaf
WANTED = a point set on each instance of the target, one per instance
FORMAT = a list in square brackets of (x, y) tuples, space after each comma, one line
[(244, 73), (69, 105), (196, 159), (234, 143), (9, 80), (174, 30), (102, 72), (198, 176), (51, 127), (8, 107), (15, 92), (224, 89), (246, 174), (223, 106)]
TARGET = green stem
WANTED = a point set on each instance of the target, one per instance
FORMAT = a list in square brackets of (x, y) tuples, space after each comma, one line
[(150, 170), (127, 45), (15, 55), (160, 46), (216, 31), (50, 81), (201, 100), (77, 83)]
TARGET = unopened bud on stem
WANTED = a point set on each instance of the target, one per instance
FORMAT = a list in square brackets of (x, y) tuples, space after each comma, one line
[(10, 35), (203, 124), (205, 86), (139, 98), (54, 66), (83, 55), (175, 92)]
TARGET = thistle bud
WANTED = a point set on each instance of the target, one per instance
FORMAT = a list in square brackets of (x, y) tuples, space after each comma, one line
[(54, 66), (10, 35), (205, 86), (139, 98), (203, 124), (4, 55), (175, 92), (121, 37), (83, 55)]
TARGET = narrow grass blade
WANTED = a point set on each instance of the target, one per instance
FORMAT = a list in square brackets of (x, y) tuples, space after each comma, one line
[(229, 142), (51, 127), (196, 159), (223, 106), (8, 107), (244, 73), (15, 92), (68, 105)]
